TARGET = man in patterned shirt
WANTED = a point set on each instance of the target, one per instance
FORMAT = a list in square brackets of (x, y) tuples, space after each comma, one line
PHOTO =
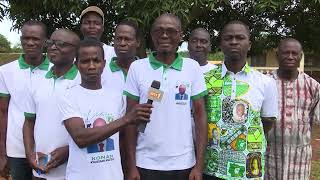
[(241, 106), (289, 149)]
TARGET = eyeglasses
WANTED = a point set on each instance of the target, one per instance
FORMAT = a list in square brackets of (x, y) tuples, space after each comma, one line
[(59, 44), (169, 32)]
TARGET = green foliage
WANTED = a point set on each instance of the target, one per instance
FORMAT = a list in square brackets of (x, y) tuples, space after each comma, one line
[(8, 57), (217, 56), (269, 20), (4, 44)]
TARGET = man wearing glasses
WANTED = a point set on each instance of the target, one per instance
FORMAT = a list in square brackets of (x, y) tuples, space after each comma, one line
[(92, 26), (45, 138), (14, 78), (166, 149)]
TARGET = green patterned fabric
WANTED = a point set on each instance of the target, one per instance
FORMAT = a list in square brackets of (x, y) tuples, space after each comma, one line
[(236, 141)]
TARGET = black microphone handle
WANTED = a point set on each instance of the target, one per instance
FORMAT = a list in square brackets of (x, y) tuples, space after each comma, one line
[(142, 126)]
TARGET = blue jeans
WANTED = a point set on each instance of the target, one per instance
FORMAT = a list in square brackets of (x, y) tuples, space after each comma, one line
[(20, 169)]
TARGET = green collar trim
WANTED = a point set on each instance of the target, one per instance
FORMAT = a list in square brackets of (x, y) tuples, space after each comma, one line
[(155, 64), (23, 65), (113, 65), (246, 68), (70, 74)]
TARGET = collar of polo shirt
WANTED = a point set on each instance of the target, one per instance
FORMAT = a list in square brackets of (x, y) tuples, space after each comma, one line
[(23, 65), (70, 74), (155, 64), (245, 68), (114, 66)]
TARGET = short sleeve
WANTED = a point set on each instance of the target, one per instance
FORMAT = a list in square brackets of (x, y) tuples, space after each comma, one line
[(198, 87), (4, 92), (131, 88), (29, 104), (269, 106), (67, 106)]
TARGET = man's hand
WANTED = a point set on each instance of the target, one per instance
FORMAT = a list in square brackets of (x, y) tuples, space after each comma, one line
[(3, 161), (139, 113), (195, 174), (133, 174), (32, 158), (58, 157)]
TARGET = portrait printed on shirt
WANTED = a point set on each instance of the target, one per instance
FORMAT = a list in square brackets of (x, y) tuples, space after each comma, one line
[(104, 150), (254, 167), (182, 94), (240, 112), (213, 135)]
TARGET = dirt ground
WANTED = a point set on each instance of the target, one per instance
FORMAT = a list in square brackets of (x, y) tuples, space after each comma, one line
[(315, 175)]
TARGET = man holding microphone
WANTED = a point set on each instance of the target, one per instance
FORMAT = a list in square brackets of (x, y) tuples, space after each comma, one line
[(165, 148)]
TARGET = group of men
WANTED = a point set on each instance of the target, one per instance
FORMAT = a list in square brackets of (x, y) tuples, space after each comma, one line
[(77, 112)]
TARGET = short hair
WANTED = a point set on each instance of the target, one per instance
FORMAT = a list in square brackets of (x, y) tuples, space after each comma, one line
[(90, 42), (36, 23), (199, 29), (131, 24), (170, 15), (289, 39), (236, 22), (75, 37)]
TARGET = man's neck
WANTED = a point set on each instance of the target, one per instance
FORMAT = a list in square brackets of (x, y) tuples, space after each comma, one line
[(166, 58), (124, 63), (92, 85), (235, 65), (34, 61), (287, 74), (60, 70)]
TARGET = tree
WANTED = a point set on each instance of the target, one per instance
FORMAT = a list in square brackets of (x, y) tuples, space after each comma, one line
[(4, 44), (269, 20)]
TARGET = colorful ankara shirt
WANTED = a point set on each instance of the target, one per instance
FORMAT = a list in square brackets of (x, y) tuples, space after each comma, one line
[(289, 149), (235, 105)]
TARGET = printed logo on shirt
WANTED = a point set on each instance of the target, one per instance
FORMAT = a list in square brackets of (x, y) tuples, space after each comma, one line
[(99, 152), (182, 95)]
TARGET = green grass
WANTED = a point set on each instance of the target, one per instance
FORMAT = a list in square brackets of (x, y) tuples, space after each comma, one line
[(5, 58), (315, 166)]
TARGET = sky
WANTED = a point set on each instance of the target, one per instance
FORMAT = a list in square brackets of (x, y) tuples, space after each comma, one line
[(5, 29)]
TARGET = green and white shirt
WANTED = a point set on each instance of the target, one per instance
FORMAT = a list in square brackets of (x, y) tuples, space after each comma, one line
[(114, 76), (42, 103), (235, 105), (15, 77), (167, 142)]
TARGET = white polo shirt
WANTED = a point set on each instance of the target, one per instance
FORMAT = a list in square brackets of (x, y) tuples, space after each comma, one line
[(167, 142), (108, 52), (42, 104), (102, 106), (15, 77), (114, 76)]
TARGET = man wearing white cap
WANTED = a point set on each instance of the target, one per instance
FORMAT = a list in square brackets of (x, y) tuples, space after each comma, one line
[(92, 26)]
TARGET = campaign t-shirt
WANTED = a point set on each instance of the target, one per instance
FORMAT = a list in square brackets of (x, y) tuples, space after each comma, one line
[(96, 108)]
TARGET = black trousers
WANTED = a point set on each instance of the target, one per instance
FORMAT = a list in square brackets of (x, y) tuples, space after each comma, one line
[(147, 174), (206, 177)]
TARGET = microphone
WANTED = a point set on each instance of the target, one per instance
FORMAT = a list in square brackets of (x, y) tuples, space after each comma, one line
[(154, 94)]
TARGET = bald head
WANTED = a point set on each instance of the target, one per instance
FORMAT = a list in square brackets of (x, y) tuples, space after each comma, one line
[(285, 41), (167, 15), (199, 30), (72, 36)]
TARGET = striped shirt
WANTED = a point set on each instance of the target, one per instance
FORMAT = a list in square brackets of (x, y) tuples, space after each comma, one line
[(289, 142)]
